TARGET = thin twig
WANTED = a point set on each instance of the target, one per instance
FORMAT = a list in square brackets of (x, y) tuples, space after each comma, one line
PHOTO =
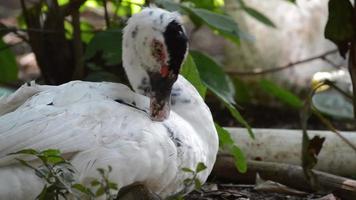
[(260, 71), (14, 29), (327, 123), (78, 47), (331, 127), (345, 94), (107, 20), (337, 66)]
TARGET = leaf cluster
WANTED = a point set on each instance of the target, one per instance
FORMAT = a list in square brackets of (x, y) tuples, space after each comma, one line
[(60, 177)]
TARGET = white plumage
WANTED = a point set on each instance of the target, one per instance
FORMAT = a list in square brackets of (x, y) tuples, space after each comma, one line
[(87, 122)]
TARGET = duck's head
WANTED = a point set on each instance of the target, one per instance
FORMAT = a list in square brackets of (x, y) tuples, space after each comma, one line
[(154, 47)]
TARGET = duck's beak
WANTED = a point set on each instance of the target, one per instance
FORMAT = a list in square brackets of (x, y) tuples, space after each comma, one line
[(160, 96), (160, 108)]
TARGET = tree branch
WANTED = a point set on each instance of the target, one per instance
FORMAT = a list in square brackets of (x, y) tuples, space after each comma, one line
[(72, 6), (260, 71), (78, 46), (107, 20)]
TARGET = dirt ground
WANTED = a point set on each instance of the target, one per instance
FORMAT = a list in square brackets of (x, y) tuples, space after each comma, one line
[(225, 191)]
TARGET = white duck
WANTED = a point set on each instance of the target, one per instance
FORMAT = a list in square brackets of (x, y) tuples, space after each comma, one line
[(101, 124)]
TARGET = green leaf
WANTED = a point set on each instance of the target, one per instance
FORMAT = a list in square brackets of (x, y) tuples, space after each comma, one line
[(227, 143), (237, 115), (216, 80), (82, 189), (224, 24), (242, 91), (95, 183), (113, 186), (43, 194), (86, 31), (197, 184), (200, 167), (55, 159), (187, 181), (283, 95), (185, 169), (214, 77), (101, 171), (190, 72), (259, 16), (224, 136), (51, 152), (100, 192), (8, 66), (109, 44), (239, 157), (26, 151), (339, 28)]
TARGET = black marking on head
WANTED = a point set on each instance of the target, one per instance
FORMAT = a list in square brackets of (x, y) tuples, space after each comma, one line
[(50, 104), (134, 32), (171, 135), (177, 45), (150, 13), (130, 105)]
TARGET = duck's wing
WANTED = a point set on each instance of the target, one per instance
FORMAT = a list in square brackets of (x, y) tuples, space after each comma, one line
[(13, 101), (72, 117)]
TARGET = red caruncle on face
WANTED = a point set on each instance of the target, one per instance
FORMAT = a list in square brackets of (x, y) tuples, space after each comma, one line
[(159, 53)]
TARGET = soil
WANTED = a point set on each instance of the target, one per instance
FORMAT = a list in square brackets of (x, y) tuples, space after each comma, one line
[(225, 191)]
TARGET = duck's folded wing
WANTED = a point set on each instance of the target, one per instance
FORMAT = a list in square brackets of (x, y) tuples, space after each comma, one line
[(69, 119), (13, 101)]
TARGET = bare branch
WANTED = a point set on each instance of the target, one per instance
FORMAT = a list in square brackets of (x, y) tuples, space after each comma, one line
[(72, 6), (260, 71), (78, 46), (107, 20)]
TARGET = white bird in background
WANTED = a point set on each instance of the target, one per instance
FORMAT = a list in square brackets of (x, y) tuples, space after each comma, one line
[(145, 140)]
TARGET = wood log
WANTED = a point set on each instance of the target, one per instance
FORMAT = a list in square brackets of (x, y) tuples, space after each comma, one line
[(290, 175), (285, 146)]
